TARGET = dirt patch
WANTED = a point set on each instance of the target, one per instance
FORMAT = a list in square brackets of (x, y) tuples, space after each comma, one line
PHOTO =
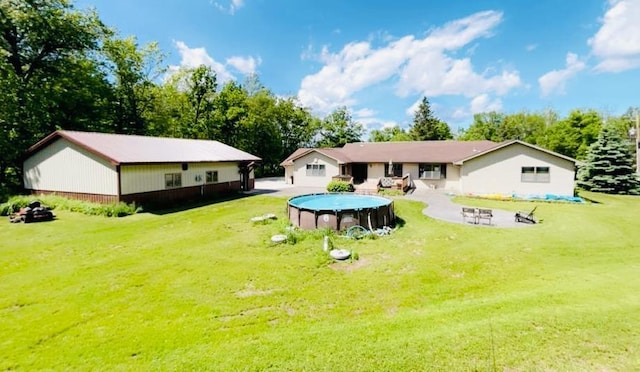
[(349, 266)]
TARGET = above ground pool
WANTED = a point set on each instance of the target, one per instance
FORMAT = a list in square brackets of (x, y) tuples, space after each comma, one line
[(340, 211)]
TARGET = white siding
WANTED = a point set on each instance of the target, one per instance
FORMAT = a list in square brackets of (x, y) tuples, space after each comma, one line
[(150, 177), (63, 166), (375, 171), (451, 182), (300, 177), (499, 172), (288, 173)]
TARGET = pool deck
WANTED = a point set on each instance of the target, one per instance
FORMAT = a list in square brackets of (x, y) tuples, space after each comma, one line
[(439, 204)]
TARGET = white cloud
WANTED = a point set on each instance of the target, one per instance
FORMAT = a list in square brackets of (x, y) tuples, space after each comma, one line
[(194, 57), (555, 81), (231, 8), (420, 66), (364, 113), (617, 42), (531, 47), (246, 65), (483, 103)]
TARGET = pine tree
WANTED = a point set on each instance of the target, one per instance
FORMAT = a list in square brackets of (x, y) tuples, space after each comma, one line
[(609, 166), (426, 126)]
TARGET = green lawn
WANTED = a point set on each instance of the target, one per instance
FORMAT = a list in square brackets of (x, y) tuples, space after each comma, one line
[(206, 289)]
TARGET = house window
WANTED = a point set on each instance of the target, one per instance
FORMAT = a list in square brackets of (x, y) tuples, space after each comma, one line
[(343, 170), (315, 170), (429, 171), (395, 171), (535, 174), (172, 180), (211, 176)]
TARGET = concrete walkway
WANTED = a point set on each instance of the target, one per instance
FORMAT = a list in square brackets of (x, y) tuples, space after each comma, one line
[(439, 204)]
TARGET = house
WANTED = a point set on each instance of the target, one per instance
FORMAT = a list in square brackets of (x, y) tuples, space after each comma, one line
[(464, 167), (109, 168)]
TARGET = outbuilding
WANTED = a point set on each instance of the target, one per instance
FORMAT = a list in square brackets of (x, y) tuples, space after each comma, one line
[(108, 168)]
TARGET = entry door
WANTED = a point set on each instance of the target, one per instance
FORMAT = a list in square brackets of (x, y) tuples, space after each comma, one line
[(359, 172)]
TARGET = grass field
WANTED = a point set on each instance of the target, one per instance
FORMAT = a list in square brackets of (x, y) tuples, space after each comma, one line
[(205, 289)]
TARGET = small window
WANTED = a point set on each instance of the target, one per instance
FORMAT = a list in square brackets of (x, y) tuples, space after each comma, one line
[(315, 170), (211, 177), (172, 180), (432, 171), (535, 174), (185, 166)]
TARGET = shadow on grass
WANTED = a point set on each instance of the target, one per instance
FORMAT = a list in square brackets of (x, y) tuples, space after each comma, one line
[(400, 222), (162, 209)]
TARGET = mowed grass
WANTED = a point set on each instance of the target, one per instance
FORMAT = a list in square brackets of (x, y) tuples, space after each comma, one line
[(205, 288)]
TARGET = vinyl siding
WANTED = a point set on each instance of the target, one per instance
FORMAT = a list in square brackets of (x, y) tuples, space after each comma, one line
[(64, 166), (300, 177), (499, 172), (150, 177)]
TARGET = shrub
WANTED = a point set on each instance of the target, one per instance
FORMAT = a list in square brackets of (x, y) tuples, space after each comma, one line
[(339, 186), (61, 203)]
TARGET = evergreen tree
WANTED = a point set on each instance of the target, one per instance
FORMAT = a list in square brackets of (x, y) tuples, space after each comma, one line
[(426, 126), (609, 166)]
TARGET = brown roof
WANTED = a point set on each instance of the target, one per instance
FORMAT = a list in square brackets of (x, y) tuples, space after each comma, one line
[(414, 151), (121, 148), (334, 153), (512, 142), (401, 152)]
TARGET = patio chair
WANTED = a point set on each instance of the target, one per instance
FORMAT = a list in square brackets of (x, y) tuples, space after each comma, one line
[(526, 218)]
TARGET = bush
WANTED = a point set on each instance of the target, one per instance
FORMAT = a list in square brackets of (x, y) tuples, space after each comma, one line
[(61, 203), (339, 186)]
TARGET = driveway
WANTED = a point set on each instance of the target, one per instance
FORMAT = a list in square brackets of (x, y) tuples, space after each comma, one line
[(439, 204)]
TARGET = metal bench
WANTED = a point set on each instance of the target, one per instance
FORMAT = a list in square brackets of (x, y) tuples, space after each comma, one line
[(476, 215), (484, 214), (469, 213)]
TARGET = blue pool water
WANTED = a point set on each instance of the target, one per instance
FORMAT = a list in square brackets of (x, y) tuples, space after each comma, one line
[(337, 202)]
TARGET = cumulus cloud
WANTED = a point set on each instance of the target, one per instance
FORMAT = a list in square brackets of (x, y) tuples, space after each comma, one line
[(555, 81), (484, 103), (231, 8), (194, 57), (246, 65), (424, 66), (617, 42)]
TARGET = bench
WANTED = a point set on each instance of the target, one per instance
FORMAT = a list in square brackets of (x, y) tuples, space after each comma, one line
[(469, 213), (476, 215), (485, 214)]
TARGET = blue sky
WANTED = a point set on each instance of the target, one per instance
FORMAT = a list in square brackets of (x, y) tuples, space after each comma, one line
[(379, 58)]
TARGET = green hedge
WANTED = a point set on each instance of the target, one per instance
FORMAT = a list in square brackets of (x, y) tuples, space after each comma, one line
[(61, 203), (339, 186)]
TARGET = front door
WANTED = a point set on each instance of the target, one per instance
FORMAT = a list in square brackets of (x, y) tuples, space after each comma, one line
[(359, 172)]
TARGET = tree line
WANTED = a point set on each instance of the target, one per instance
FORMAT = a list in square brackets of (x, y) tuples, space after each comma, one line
[(63, 68)]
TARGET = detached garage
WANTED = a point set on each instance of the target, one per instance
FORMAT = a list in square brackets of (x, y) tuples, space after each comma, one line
[(109, 168)]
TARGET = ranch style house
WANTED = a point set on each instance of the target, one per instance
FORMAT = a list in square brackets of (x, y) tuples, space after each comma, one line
[(461, 167)]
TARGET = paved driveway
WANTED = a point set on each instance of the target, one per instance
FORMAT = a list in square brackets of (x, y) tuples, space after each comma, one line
[(439, 204)]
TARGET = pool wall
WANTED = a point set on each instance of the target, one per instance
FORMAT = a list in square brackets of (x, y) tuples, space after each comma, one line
[(309, 219)]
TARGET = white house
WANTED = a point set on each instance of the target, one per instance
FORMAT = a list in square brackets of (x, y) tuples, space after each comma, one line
[(463, 167), (107, 168)]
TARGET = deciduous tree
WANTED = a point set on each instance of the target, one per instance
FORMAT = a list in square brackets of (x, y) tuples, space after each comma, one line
[(338, 129)]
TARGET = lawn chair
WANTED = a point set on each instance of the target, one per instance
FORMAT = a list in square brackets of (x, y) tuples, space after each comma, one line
[(469, 213), (526, 218)]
